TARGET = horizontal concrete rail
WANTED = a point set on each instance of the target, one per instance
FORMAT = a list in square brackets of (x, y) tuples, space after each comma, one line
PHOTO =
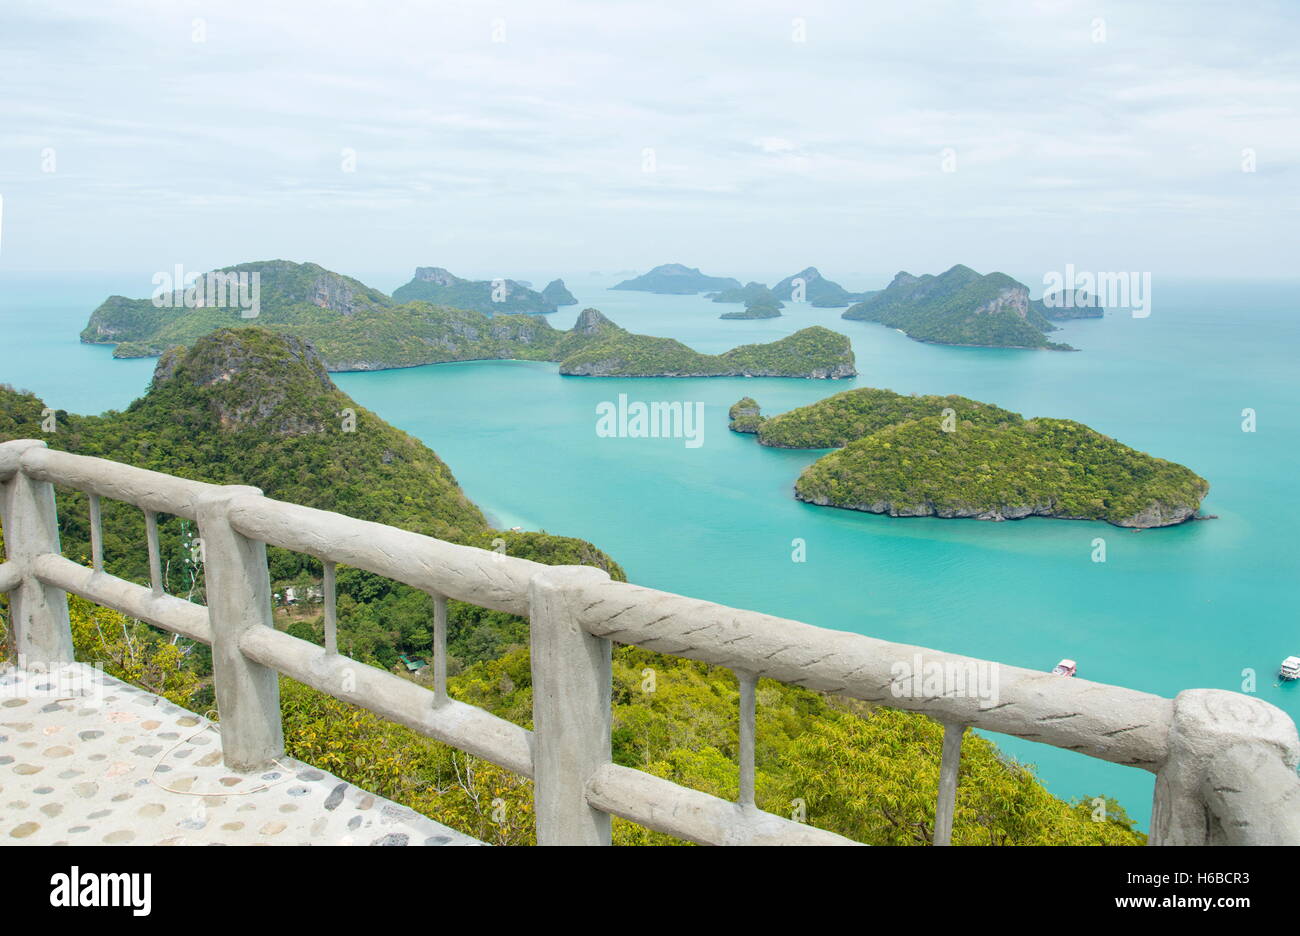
[(1107, 722), (462, 726), (10, 576), (697, 817), (149, 490), (166, 611), (477, 576)]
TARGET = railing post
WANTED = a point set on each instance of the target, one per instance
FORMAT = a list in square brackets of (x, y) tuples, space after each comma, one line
[(747, 735), (571, 709), (949, 766), (1230, 778), (238, 587), (40, 633)]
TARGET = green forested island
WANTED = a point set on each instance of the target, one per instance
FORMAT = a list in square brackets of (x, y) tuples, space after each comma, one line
[(675, 279), (436, 316), (353, 328), (605, 350), (916, 456), (960, 307), (253, 406)]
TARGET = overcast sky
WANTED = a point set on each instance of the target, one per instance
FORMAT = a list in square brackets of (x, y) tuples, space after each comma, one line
[(212, 133)]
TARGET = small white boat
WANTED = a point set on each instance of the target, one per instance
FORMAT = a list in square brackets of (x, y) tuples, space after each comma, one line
[(1065, 668), (1290, 668)]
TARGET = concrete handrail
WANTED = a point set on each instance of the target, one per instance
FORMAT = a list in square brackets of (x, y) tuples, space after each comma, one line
[(1107, 722), (478, 576), (148, 490), (1225, 763)]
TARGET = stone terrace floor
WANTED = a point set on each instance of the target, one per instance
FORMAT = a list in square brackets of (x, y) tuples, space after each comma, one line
[(96, 761)]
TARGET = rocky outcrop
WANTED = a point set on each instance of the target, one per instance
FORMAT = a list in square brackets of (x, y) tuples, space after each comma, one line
[(591, 322), (1156, 515), (1014, 299), (745, 415), (1161, 515), (437, 275), (250, 378)]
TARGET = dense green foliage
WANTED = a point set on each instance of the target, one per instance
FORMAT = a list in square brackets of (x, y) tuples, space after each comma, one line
[(674, 279), (838, 420), (1045, 467), (959, 307)]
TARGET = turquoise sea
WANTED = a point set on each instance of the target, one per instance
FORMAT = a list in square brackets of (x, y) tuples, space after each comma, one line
[(1191, 606)]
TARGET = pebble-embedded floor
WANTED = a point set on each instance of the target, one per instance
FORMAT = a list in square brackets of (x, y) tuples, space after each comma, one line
[(110, 764)]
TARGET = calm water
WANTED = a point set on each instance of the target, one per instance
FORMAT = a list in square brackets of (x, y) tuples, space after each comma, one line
[(1171, 609)]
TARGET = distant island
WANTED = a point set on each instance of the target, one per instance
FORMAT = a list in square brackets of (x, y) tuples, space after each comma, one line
[(760, 302), (818, 291), (746, 293), (355, 328), (492, 297), (961, 307), (1067, 305), (557, 294), (755, 310), (674, 279), (949, 456)]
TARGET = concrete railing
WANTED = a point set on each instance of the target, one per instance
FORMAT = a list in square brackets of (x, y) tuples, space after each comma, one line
[(1225, 763)]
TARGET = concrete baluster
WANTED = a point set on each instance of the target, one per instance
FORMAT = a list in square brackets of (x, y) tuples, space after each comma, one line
[(39, 633), (571, 709), (949, 765), (239, 598)]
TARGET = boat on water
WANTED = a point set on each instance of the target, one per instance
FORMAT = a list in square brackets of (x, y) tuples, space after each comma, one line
[(1065, 668), (1290, 668)]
